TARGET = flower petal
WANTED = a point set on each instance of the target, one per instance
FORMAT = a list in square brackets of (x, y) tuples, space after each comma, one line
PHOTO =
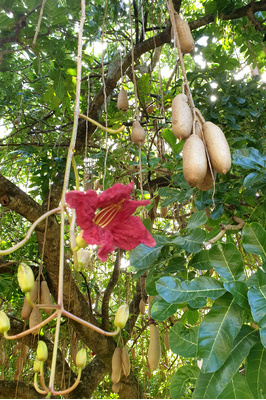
[(85, 204), (130, 234), (115, 194), (128, 208)]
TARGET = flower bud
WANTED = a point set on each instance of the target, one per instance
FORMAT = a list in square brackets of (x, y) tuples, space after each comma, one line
[(122, 316), (81, 243), (25, 278), (84, 257), (4, 322), (81, 358), (37, 365), (42, 351)]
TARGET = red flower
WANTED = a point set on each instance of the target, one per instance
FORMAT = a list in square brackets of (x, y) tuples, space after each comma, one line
[(112, 226)]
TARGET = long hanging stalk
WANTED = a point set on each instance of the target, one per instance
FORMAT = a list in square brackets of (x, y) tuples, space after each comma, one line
[(65, 186)]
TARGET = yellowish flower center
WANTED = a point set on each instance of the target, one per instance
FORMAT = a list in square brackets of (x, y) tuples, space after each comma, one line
[(107, 214)]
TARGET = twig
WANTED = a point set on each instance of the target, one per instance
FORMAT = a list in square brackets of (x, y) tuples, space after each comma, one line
[(224, 228), (39, 23)]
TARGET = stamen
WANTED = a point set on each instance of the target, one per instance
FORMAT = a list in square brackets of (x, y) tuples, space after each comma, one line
[(107, 214)]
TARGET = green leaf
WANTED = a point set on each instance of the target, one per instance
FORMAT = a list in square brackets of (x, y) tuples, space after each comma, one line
[(169, 137), (173, 290), (184, 376), (218, 331), (197, 219), (59, 85), (161, 310), (239, 291), (257, 302), (237, 388), (211, 385), (194, 241), (200, 261), (143, 256), (183, 341), (248, 158), (254, 239), (252, 178), (255, 367), (227, 261)]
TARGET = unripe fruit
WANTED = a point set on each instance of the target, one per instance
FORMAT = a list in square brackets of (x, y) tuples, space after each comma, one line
[(182, 119), (164, 212), (122, 100), (35, 319), (26, 309), (125, 361), (194, 160), (142, 307), (25, 277), (154, 350), (207, 182), (42, 351), (121, 316), (116, 365), (46, 297), (4, 322), (138, 134), (36, 365), (184, 35), (81, 358), (218, 149)]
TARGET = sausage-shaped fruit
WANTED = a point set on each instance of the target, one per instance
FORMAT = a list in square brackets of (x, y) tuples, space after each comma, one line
[(182, 119), (194, 160)]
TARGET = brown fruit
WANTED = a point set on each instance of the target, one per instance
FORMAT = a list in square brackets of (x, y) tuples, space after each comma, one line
[(142, 307), (26, 309), (194, 160), (186, 40), (46, 297), (182, 119), (218, 148), (133, 354), (207, 182), (164, 212), (154, 350), (138, 134), (116, 365), (122, 100), (125, 361), (116, 387), (150, 109), (166, 340), (34, 292), (35, 319)]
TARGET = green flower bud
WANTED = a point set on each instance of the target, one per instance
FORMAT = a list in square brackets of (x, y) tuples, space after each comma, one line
[(84, 257), (81, 243), (81, 358), (42, 351), (25, 278), (37, 365), (122, 316), (4, 322)]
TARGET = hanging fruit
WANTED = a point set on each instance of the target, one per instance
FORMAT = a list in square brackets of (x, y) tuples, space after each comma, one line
[(122, 100), (116, 365), (194, 160), (154, 350), (46, 297), (138, 134), (218, 148), (207, 182), (182, 119), (186, 40)]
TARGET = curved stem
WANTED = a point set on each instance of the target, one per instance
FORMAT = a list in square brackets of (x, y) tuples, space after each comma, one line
[(42, 378), (89, 325), (28, 235), (62, 392), (104, 128), (28, 331), (36, 386)]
